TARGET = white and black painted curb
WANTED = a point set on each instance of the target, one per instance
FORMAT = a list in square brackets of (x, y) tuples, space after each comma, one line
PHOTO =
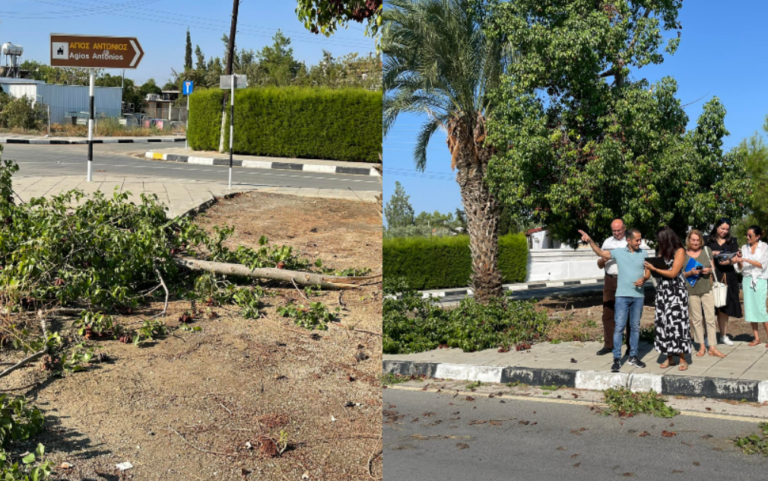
[(260, 164), (710, 387), (468, 292), (83, 142)]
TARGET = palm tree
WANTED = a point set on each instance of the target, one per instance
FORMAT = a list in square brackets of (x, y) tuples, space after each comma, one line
[(439, 62)]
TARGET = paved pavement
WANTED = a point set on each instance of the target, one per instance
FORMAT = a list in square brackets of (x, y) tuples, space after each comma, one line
[(444, 436), (181, 196), (119, 160)]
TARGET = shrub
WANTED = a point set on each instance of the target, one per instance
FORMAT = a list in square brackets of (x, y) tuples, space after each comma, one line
[(440, 262), (21, 113), (293, 122), (412, 324)]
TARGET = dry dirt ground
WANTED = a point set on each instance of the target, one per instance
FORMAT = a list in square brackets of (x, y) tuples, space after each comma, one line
[(580, 318), (209, 405)]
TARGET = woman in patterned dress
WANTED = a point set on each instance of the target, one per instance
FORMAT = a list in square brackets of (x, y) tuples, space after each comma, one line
[(672, 324)]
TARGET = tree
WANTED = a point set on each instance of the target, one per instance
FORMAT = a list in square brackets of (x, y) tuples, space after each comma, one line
[(755, 154), (188, 53), (200, 58), (149, 87), (398, 210), (439, 62), (276, 64), (326, 16), (580, 141)]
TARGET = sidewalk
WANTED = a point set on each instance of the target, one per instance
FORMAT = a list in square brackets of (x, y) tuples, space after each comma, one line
[(181, 196), (255, 162), (44, 140), (742, 375)]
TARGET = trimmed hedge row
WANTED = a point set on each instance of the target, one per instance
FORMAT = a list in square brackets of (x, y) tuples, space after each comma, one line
[(318, 123), (442, 262)]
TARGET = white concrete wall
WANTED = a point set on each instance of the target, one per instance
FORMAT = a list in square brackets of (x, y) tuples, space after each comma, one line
[(564, 264)]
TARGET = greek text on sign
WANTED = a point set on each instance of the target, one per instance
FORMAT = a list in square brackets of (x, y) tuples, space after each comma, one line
[(69, 50)]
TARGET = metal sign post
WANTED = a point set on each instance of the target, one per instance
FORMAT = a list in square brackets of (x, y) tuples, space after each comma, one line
[(187, 88), (91, 116), (92, 52), (232, 82)]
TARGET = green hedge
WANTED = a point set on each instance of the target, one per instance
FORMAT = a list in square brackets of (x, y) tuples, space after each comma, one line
[(292, 122), (440, 262)]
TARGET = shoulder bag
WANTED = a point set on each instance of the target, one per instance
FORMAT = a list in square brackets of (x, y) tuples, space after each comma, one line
[(719, 289)]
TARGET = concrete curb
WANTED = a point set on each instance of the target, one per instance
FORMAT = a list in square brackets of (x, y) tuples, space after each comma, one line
[(711, 387), (259, 164), (511, 287), (80, 142)]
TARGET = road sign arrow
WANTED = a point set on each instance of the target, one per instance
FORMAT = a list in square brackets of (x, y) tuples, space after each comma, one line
[(138, 53)]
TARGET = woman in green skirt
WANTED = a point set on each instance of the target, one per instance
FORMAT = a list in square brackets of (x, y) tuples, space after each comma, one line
[(753, 264)]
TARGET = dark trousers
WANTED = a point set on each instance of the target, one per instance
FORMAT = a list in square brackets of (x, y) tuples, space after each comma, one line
[(609, 311)]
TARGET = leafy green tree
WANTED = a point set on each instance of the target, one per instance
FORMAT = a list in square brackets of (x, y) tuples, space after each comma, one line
[(439, 62), (276, 63), (149, 87), (188, 53), (350, 70), (755, 154), (199, 58), (57, 75), (580, 141), (326, 16), (398, 211)]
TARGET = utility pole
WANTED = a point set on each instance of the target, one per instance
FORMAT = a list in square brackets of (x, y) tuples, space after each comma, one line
[(230, 55)]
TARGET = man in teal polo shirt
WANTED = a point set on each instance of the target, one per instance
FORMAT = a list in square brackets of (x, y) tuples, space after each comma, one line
[(630, 292)]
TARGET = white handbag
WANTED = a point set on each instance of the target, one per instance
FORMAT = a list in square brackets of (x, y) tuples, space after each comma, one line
[(720, 292)]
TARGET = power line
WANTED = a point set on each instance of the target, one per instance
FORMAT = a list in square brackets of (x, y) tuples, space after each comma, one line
[(207, 25)]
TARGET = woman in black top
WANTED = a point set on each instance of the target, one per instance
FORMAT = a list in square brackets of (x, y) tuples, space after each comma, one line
[(720, 241)]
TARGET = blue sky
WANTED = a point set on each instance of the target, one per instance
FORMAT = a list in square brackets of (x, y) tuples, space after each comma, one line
[(722, 53), (160, 26)]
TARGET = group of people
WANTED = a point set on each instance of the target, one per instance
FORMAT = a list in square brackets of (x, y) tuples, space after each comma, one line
[(680, 304)]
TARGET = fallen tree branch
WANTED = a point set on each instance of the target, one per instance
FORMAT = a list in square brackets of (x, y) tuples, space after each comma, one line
[(298, 277), (34, 356), (162, 283)]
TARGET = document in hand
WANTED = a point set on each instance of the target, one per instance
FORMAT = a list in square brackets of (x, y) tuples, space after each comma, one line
[(692, 264)]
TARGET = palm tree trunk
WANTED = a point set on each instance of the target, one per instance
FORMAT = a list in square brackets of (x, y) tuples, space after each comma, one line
[(482, 211)]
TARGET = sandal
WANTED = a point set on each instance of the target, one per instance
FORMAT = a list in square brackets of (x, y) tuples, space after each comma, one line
[(701, 352), (754, 343), (666, 364), (683, 365), (716, 353)]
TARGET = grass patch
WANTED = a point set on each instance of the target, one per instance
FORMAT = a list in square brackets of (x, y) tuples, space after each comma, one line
[(474, 385), (754, 443), (412, 324), (391, 378), (624, 403)]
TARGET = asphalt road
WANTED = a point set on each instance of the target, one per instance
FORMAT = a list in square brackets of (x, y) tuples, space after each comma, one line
[(436, 436), (115, 159)]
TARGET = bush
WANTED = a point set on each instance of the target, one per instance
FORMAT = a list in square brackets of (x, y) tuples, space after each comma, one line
[(440, 262), (412, 324), (21, 113), (292, 122)]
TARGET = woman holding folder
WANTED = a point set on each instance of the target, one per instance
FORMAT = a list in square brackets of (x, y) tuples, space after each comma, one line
[(721, 242), (753, 264), (701, 301)]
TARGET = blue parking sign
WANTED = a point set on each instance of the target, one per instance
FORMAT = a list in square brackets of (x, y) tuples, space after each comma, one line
[(188, 87)]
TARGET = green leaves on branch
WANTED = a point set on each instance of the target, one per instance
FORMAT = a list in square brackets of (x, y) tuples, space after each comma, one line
[(20, 422), (413, 324), (316, 316), (580, 142)]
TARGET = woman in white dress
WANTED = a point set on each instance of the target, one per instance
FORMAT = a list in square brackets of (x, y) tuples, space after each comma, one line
[(752, 261)]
